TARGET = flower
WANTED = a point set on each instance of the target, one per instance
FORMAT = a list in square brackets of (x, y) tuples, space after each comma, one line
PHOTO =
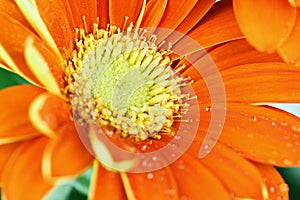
[(39, 141), (271, 26)]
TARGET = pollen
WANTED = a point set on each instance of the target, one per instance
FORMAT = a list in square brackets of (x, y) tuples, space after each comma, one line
[(124, 82)]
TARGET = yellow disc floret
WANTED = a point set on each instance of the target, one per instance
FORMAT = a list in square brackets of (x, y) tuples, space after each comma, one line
[(124, 82)]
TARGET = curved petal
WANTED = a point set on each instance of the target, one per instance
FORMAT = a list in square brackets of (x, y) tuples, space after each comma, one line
[(211, 30), (175, 13), (66, 145), (159, 184), (262, 82), (6, 151), (290, 50), (277, 188), (13, 38), (239, 176), (239, 52), (86, 9), (265, 23), (263, 134), (195, 15), (154, 13), (56, 18), (22, 174), (47, 113), (106, 183), (196, 182), (14, 105), (118, 10), (12, 10)]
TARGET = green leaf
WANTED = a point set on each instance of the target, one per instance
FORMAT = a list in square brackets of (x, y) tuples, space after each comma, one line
[(8, 78), (75, 189)]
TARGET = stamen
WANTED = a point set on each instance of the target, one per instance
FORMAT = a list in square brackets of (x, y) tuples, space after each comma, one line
[(99, 75)]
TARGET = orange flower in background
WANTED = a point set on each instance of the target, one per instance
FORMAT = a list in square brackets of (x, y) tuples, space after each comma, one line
[(44, 41), (271, 26)]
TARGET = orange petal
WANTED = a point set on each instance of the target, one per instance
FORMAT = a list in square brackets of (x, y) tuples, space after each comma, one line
[(107, 183), (159, 184), (175, 13), (210, 31), (13, 38), (263, 134), (290, 50), (87, 9), (14, 104), (239, 52), (66, 145), (238, 175), (11, 9), (262, 82), (6, 151), (102, 9), (22, 178), (295, 3), (196, 182), (48, 113), (195, 15), (265, 23), (55, 16), (277, 188), (154, 12), (118, 10)]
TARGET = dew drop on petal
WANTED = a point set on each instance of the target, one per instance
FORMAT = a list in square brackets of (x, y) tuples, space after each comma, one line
[(272, 189), (287, 162), (150, 176), (254, 119), (283, 187), (288, 144)]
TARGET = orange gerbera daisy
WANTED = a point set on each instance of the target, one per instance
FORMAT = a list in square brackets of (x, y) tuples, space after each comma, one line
[(271, 26), (48, 42)]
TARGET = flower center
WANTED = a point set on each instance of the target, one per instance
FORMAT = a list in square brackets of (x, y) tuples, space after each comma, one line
[(124, 82)]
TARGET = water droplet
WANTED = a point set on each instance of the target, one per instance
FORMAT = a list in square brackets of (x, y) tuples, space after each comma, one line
[(208, 109), (250, 135), (283, 187), (272, 162), (154, 158), (205, 147), (177, 137), (287, 162), (296, 128), (288, 144), (144, 147), (286, 137), (273, 124), (180, 165), (283, 123), (171, 192), (150, 176), (254, 119), (272, 189)]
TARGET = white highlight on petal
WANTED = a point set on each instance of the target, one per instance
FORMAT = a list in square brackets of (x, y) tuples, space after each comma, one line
[(31, 13), (35, 117), (39, 67)]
